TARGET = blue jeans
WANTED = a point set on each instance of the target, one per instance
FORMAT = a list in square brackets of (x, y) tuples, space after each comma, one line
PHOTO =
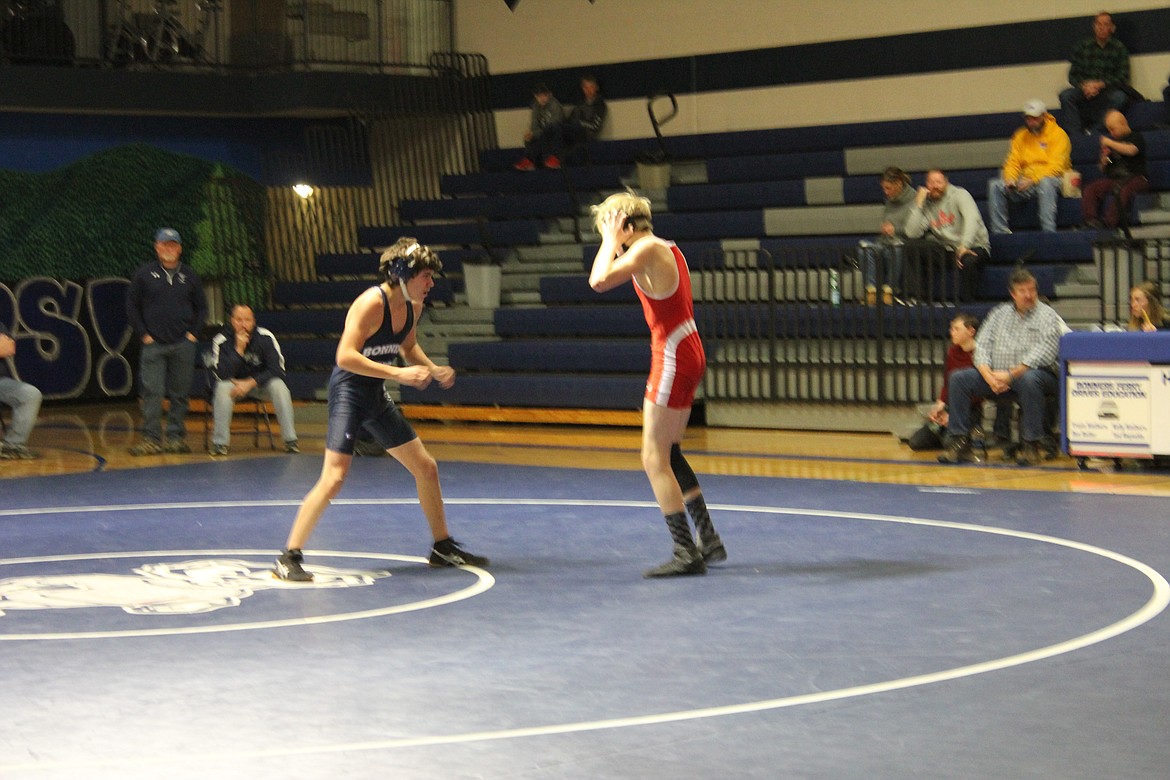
[(1082, 114), (1030, 390), (25, 401), (166, 369), (891, 260), (1046, 191), (275, 390)]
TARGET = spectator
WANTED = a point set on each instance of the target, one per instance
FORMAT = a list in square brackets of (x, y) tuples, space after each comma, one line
[(1015, 359), (23, 398), (166, 307), (959, 355), (250, 365), (1123, 161), (899, 196), (543, 141), (945, 215), (1035, 164), (585, 120), (1099, 75), (1145, 308)]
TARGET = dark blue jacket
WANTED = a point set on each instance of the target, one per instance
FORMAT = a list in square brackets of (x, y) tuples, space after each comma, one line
[(167, 306), (262, 359)]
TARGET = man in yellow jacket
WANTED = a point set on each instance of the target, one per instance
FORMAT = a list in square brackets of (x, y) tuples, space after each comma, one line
[(1037, 160)]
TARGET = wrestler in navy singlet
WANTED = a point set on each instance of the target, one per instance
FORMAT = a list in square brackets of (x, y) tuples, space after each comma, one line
[(357, 401)]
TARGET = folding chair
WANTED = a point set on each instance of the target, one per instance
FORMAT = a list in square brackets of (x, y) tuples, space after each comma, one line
[(249, 416)]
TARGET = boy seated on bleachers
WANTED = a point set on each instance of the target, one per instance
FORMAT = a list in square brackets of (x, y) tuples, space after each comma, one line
[(543, 141), (585, 120)]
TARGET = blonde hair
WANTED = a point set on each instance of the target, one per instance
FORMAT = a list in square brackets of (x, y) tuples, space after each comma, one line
[(1154, 308), (630, 203)]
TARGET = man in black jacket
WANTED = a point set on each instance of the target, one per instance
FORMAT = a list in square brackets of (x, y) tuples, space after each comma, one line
[(167, 308), (248, 362)]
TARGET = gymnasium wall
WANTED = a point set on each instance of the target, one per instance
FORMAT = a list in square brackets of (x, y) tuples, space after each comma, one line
[(756, 64)]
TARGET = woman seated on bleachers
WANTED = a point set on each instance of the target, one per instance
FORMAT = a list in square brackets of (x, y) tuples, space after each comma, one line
[(1145, 308), (887, 247)]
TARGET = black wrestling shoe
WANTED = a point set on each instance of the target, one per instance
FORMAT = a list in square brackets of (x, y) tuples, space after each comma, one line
[(288, 567), (714, 551), (686, 561), (447, 552)]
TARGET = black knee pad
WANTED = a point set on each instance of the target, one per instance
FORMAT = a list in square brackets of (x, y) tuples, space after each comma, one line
[(682, 470)]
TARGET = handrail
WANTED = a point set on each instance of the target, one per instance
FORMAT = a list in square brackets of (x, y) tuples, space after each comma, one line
[(662, 155)]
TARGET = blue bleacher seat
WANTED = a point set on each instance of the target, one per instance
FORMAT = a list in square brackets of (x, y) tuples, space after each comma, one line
[(742, 195), (309, 353), (307, 322), (562, 391), (525, 206), (710, 225), (776, 166), (575, 288), (501, 233), (568, 321), (552, 355), (595, 177)]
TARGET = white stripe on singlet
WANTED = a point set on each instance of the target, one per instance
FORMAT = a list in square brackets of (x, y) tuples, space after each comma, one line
[(670, 360)]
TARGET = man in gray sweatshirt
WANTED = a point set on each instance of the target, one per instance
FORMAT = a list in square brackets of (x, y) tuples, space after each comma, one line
[(948, 223)]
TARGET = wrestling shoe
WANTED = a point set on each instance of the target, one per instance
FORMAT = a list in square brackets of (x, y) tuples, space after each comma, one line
[(714, 551), (525, 165), (288, 567), (686, 561), (447, 552)]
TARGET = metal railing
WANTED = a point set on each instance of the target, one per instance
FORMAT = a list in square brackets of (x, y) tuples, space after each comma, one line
[(367, 35), (434, 126), (798, 327), (1123, 263)]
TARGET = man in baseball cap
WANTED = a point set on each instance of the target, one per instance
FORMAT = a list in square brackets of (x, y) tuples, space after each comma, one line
[(165, 234), (167, 308), (1037, 160)]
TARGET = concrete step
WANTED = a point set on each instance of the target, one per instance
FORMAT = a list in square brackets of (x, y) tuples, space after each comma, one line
[(1079, 309), (520, 297), (458, 315), (562, 235), (554, 252), (543, 268), (457, 329), (1073, 290)]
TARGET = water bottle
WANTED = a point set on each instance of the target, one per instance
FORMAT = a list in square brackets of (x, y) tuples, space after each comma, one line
[(834, 287)]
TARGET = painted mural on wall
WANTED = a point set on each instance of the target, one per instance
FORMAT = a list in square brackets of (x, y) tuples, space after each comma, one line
[(70, 238)]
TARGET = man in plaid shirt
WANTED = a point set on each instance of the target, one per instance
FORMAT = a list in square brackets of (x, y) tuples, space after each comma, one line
[(1099, 73), (1016, 353)]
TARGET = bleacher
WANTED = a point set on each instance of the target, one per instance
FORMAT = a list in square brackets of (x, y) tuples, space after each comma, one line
[(796, 199)]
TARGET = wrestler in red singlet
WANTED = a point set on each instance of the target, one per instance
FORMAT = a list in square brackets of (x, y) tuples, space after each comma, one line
[(677, 359)]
